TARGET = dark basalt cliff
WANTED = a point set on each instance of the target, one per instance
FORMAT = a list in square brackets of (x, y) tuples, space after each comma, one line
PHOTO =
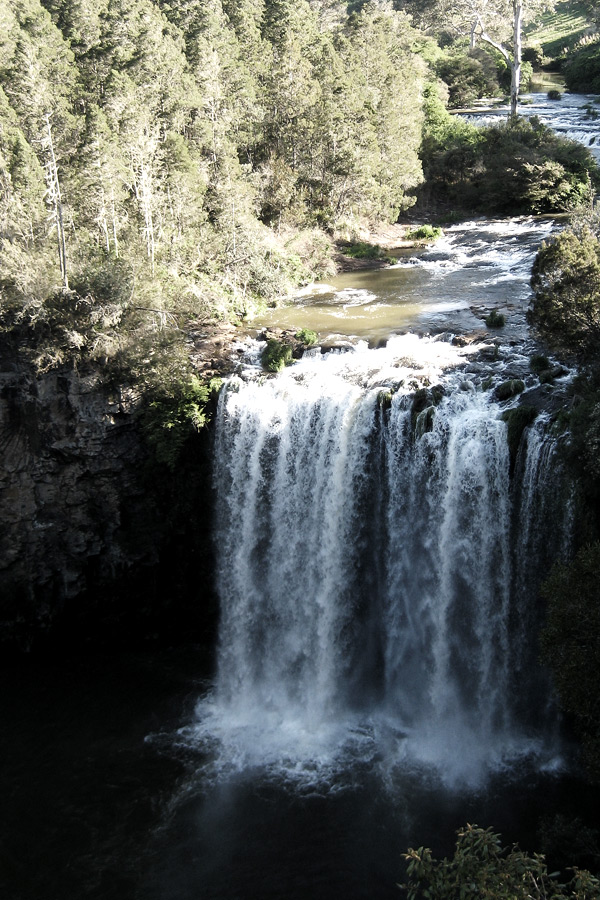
[(98, 544)]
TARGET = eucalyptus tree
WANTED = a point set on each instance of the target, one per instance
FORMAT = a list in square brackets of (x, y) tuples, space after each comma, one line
[(40, 86), (390, 76), (100, 174), (498, 23), (23, 212)]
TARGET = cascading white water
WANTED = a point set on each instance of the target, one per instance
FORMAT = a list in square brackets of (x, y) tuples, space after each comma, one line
[(376, 566), (447, 590), (572, 116)]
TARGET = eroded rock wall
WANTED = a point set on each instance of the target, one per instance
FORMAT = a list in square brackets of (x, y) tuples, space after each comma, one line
[(95, 540)]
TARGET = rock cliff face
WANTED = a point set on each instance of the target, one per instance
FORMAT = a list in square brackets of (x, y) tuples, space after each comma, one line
[(94, 541)]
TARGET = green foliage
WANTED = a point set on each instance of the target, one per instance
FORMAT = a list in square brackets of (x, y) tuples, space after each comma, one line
[(539, 363), (201, 149), (495, 319), (571, 643), (314, 249), (341, 128), (470, 76), (534, 54), (482, 73), (566, 305), (509, 389), (362, 250), (517, 420), (66, 329), (482, 868), (103, 279), (175, 413), (276, 355), (307, 337), (440, 129), (424, 233), (582, 69), (519, 166), (384, 399)]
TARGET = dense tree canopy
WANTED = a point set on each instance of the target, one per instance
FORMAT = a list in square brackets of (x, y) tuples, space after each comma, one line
[(171, 160), (166, 135), (566, 306)]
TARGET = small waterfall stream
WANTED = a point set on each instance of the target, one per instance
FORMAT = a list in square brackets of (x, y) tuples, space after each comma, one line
[(573, 116), (378, 566)]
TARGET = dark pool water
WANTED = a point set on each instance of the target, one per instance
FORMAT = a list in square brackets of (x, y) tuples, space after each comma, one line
[(92, 808)]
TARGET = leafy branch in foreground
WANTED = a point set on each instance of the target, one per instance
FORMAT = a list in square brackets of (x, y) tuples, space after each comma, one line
[(482, 868), (175, 414)]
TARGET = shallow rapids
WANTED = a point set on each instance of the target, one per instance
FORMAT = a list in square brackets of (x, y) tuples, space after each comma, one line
[(452, 285)]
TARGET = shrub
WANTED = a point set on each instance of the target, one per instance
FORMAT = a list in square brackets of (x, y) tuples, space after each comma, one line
[(539, 363), (482, 868), (307, 337), (518, 166), (495, 319), (363, 250), (170, 419), (509, 389), (424, 233), (105, 279), (469, 77), (566, 305), (534, 55), (276, 355)]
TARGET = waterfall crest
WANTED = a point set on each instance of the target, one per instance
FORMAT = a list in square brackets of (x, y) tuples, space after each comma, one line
[(378, 567)]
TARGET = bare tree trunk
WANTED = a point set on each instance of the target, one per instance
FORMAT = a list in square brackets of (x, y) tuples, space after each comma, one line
[(515, 80), (114, 220), (56, 199), (146, 201), (473, 38)]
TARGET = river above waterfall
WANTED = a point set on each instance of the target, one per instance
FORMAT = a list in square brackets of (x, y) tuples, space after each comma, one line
[(452, 285)]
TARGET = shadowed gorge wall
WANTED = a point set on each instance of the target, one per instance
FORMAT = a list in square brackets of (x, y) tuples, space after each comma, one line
[(98, 541)]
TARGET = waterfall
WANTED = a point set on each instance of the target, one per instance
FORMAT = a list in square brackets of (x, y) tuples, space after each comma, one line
[(378, 567)]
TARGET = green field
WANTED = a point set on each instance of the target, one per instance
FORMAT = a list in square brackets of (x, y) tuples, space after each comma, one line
[(559, 30)]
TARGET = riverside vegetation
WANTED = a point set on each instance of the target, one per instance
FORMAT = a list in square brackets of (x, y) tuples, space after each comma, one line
[(165, 164)]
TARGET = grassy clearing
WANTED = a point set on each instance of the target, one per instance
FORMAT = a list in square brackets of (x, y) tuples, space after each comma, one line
[(558, 30)]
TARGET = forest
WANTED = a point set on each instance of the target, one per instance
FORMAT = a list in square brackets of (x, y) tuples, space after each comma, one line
[(165, 163)]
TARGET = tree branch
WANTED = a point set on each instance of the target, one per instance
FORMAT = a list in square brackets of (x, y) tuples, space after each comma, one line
[(484, 36)]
